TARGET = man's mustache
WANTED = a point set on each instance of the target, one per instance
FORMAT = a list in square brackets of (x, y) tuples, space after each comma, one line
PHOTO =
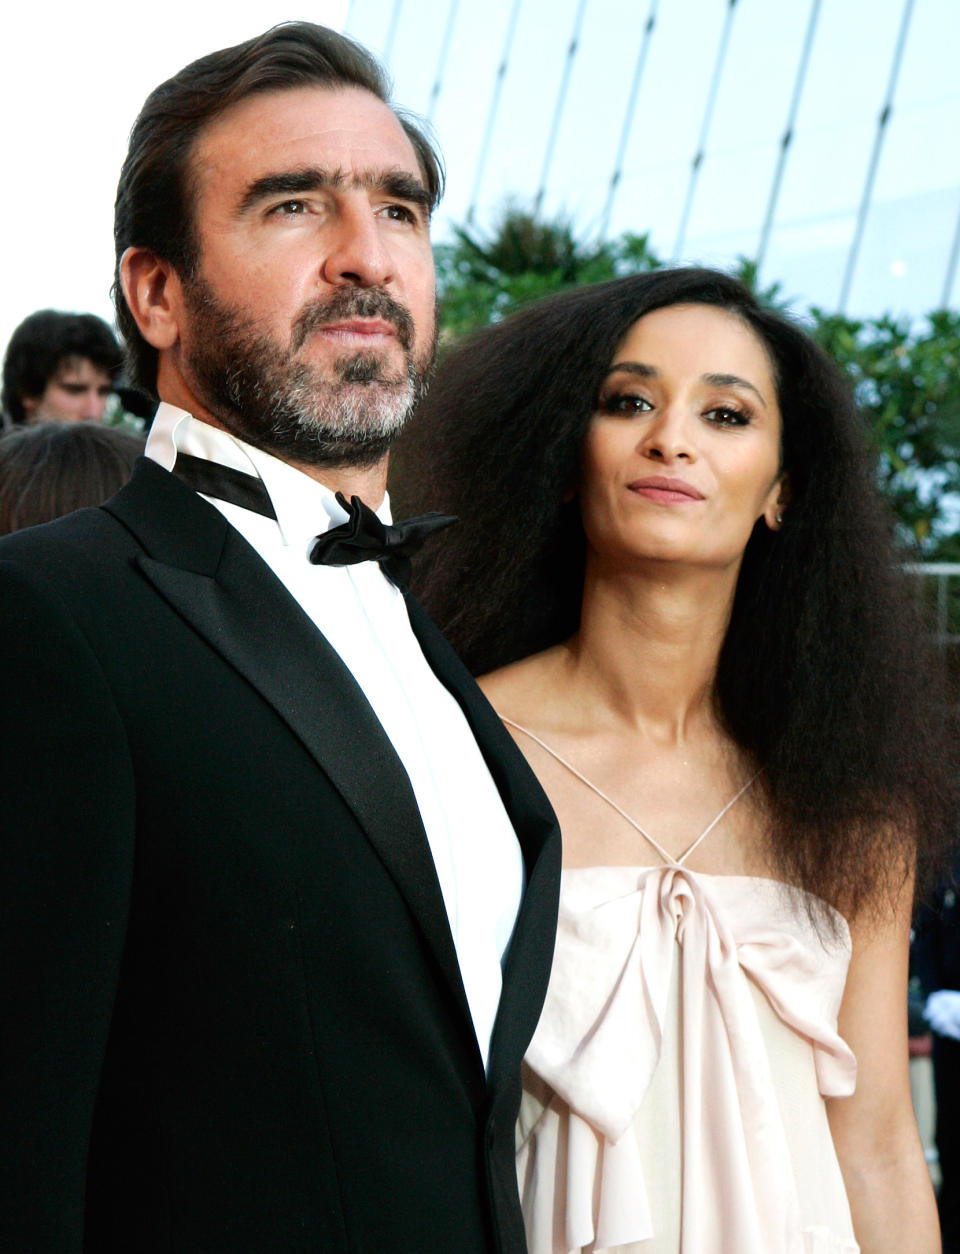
[(354, 302)]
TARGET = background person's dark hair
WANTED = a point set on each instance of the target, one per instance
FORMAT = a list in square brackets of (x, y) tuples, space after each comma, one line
[(154, 205), (44, 340), (824, 680), (53, 468)]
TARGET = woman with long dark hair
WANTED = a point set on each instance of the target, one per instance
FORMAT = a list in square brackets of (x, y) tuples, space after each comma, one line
[(674, 572)]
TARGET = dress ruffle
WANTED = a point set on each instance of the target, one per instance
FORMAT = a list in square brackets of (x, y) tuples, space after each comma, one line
[(599, 1043)]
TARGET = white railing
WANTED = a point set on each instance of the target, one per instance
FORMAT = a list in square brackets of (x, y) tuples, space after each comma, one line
[(944, 601)]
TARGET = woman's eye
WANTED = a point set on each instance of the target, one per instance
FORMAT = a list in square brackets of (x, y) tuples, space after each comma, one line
[(624, 403), (724, 417)]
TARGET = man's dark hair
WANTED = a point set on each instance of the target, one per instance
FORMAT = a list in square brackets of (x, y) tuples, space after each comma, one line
[(823, 680), (44, 340), (155, 196), (53, 468)]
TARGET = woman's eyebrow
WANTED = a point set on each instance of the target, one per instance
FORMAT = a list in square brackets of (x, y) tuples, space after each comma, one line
[(734, 381), (633, 367), (715, 380)]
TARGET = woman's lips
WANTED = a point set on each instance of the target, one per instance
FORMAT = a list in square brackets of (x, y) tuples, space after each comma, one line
[(665, 491)]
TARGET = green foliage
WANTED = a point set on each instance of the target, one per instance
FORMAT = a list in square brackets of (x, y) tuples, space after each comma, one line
[(116, 416), (907, 382), (772, 295), (906, 377), (480, 279)]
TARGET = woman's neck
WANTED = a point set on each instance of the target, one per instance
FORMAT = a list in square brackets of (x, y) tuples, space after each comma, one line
[(648, 646)]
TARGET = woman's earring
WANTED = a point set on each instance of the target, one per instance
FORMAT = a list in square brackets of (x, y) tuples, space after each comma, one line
[(779, 519)]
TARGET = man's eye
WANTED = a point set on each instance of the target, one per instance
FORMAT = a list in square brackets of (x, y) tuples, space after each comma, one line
[(400, 213), (623, 403), (290, 208)]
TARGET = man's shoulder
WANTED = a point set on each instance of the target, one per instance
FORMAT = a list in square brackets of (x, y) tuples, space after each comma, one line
[(151, 511), (75, 569), (87, 544), (82, 529)]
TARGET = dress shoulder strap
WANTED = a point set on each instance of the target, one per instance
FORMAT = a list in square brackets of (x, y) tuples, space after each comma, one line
[(668, 858)]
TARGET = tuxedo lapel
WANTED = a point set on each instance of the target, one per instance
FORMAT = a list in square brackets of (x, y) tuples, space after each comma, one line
[(527, 967), (208, 573)]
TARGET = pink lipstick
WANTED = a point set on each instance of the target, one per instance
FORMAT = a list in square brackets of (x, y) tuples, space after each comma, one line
[(665, 491)]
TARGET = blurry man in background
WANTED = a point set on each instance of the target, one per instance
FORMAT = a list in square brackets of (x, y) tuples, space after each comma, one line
[(59, 367)]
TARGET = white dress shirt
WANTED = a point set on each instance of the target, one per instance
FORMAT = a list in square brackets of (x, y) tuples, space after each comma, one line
[(364, 618)]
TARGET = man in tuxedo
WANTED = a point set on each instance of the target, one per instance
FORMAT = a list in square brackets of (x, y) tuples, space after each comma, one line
[(278, 894)]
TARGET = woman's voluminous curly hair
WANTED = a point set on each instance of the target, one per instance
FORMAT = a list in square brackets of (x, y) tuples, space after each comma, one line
[(824, 679)]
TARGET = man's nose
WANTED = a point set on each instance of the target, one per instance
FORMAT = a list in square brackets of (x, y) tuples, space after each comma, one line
[(356, 251), (93, 406)]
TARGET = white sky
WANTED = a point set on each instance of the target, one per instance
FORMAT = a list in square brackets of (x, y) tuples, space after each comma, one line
[(73, 80), (916, 203), (74, 77)]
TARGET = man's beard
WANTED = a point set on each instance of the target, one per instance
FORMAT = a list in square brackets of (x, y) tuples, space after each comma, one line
[(344, 414)]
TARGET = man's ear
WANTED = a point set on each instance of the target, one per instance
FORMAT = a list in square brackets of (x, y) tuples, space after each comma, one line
[(30, 405), (154, 295), (777, 502)]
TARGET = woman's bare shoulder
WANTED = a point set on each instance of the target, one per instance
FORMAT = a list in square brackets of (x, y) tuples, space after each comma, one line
[(521, 690)]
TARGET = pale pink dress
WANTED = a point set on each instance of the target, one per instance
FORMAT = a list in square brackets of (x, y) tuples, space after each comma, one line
[(673, 1092)]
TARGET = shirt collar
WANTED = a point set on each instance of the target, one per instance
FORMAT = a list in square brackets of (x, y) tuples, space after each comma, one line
[(304, 507)]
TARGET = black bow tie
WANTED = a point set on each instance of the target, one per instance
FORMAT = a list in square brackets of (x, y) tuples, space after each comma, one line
[(362, 538)]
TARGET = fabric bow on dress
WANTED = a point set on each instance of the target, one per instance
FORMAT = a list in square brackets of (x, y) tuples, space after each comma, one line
[(622, 933)]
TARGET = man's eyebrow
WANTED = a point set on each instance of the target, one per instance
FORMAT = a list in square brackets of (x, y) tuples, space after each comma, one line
[(402, 185), (715, 380), (397, 183)]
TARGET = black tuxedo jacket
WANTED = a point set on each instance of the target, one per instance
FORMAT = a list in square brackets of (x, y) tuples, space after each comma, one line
[(232, 1018)]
